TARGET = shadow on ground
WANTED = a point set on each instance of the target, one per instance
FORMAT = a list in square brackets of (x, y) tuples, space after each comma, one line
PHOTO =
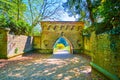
[(34, 66)]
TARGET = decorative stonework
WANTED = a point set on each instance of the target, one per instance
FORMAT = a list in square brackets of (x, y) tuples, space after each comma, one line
[(52, 30), (59, 25)]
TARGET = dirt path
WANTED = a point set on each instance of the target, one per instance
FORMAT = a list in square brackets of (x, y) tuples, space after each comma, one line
[(46, 67)]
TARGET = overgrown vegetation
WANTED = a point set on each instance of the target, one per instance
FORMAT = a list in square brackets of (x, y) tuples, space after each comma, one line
[(12, 16), (18, 27), (104, 15), (21, 16)]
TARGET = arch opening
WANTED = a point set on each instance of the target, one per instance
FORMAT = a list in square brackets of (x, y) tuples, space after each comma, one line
[(62, 46)]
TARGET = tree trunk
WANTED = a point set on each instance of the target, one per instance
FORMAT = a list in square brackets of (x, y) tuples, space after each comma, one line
[(18, 2), (90, 10)]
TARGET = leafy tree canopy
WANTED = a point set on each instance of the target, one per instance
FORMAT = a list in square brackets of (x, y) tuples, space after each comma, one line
[(12, 16), (94, 11), (18, 14)]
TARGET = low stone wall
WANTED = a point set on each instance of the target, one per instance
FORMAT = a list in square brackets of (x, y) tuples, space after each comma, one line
[(12, 45), (105, 52), (18, 44)]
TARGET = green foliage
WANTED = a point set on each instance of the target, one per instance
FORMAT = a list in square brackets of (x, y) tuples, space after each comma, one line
[(102, 27), (113, 46), (3, 56), (36, 30), (36, 33), (19, 27), (81, 8), (109, 10), (60, 46), (12, 8), (114, 31), (3, 21), (104, 12), (12, 16), (16, 50), (87, 31)]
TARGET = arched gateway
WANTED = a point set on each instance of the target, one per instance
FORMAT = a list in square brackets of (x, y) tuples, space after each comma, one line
[(53, 30), (62, 44)]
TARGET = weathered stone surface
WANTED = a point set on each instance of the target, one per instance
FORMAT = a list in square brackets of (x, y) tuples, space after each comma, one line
[(11, 45), (3, 43), (37, 42), (104, 50), (18, 44), (51, 31)]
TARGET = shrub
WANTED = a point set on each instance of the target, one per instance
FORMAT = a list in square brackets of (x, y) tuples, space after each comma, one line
[(60, 46)]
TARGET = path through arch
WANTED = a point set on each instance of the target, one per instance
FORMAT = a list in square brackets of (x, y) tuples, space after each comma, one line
[(62, 46)]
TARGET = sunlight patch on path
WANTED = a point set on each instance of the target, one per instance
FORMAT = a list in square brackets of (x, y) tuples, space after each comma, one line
[(60, 67), (61, 52)]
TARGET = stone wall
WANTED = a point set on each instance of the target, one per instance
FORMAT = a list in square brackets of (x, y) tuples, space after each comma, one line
[(105, 52), (37, 42), (12, 45), (18, 44)]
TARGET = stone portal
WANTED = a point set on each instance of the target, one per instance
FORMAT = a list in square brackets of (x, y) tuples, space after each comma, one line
[(52, 30)]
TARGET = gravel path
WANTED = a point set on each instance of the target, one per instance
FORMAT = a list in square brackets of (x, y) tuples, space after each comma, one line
[(35, 66)]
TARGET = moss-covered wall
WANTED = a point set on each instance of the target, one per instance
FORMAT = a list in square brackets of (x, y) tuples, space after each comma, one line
[(3, 43), (37, 42), (105, 52), (51, 31)]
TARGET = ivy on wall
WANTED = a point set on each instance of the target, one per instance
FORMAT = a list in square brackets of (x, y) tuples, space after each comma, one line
[(114, 31), (101, 28)]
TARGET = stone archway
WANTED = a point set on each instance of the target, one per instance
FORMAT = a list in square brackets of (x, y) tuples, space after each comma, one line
[(67, 45), (52, 30)]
